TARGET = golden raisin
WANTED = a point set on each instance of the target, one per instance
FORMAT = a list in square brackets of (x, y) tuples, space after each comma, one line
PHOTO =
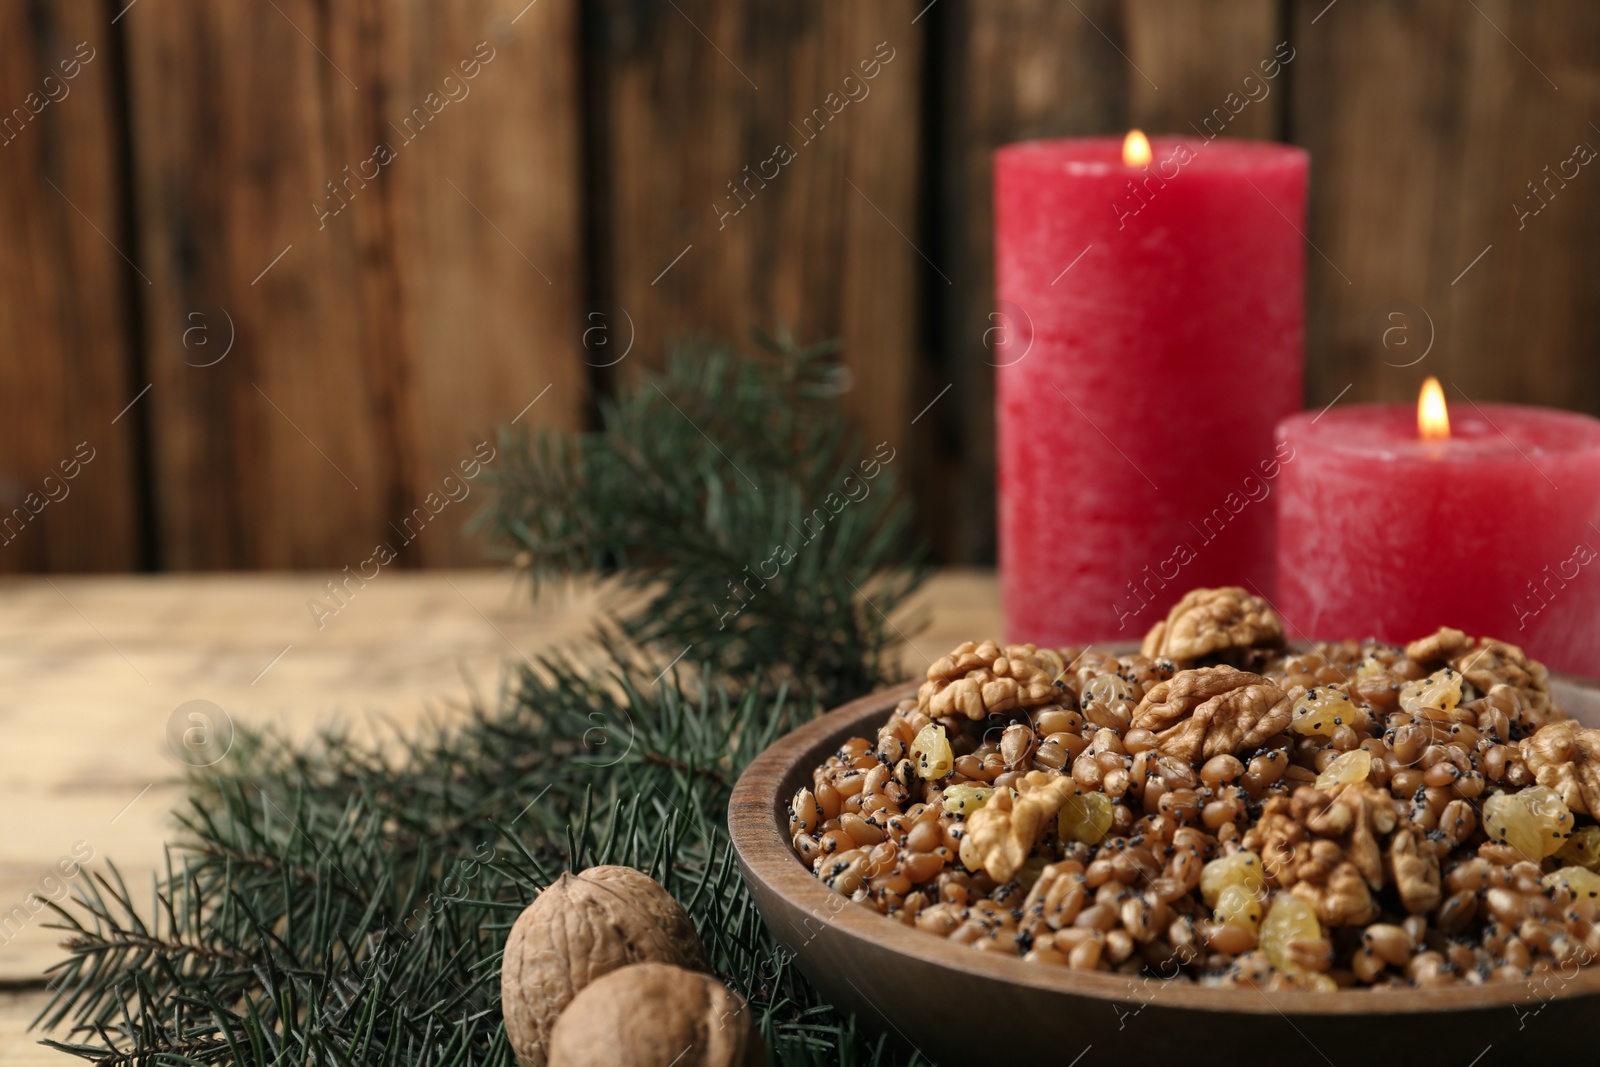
[(1535, 821), (1290, 919), (1352, 766), (1319, 712), (930, 752), (1582, 849), (1439, 691), (1584, 883), (965, 799), (1241, 869), (1238, 905), (1086, 817)]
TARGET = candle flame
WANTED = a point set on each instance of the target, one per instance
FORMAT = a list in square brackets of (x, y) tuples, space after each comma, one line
[(1136, 149), (1433, 420)]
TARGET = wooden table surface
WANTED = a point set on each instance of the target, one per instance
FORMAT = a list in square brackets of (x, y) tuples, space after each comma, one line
[(93, 670)]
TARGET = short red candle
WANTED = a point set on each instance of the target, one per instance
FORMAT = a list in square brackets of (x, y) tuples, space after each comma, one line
[(1148, 337), (1493, 531)]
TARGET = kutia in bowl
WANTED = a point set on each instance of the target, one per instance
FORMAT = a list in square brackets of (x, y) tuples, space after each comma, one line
[(1222, 809)]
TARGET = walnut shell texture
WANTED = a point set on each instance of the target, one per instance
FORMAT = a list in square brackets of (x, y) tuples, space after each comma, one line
[(656, 1015), (579, 929)]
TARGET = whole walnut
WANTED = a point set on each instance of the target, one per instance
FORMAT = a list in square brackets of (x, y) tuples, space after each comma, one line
[(581, 928), (656, 1015)]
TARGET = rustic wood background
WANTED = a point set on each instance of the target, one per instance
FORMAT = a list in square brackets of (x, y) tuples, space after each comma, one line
[(167, 203)]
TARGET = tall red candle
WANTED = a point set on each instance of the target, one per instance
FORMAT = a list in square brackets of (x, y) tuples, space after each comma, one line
[(1148, 337), (1494, 530)]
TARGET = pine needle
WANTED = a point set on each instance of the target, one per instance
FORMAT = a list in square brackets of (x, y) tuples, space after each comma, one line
[(331, 904)]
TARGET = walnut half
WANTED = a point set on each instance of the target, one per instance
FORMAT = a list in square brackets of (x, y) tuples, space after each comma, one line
[(1490, 664), (978, 680), (1416, 872), (1212, 711), (1213, 620), (1439, 648), (1340, 898), (1359, 814), (1566, 757), (1000, 835)]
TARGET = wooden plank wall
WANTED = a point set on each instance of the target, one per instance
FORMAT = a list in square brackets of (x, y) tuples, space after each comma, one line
[(323, 262), (763, 171), (68, 306), (416, 168), (1427, 122)]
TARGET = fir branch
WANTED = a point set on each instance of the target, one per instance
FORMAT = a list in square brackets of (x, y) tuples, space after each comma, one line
[(257, 953), (765, 534), (348, 903)]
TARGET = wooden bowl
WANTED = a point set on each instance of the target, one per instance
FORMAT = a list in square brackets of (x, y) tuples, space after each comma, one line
[(957, 1004)]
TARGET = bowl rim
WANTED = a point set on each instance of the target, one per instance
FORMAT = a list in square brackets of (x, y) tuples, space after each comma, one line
[(766, 854)]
